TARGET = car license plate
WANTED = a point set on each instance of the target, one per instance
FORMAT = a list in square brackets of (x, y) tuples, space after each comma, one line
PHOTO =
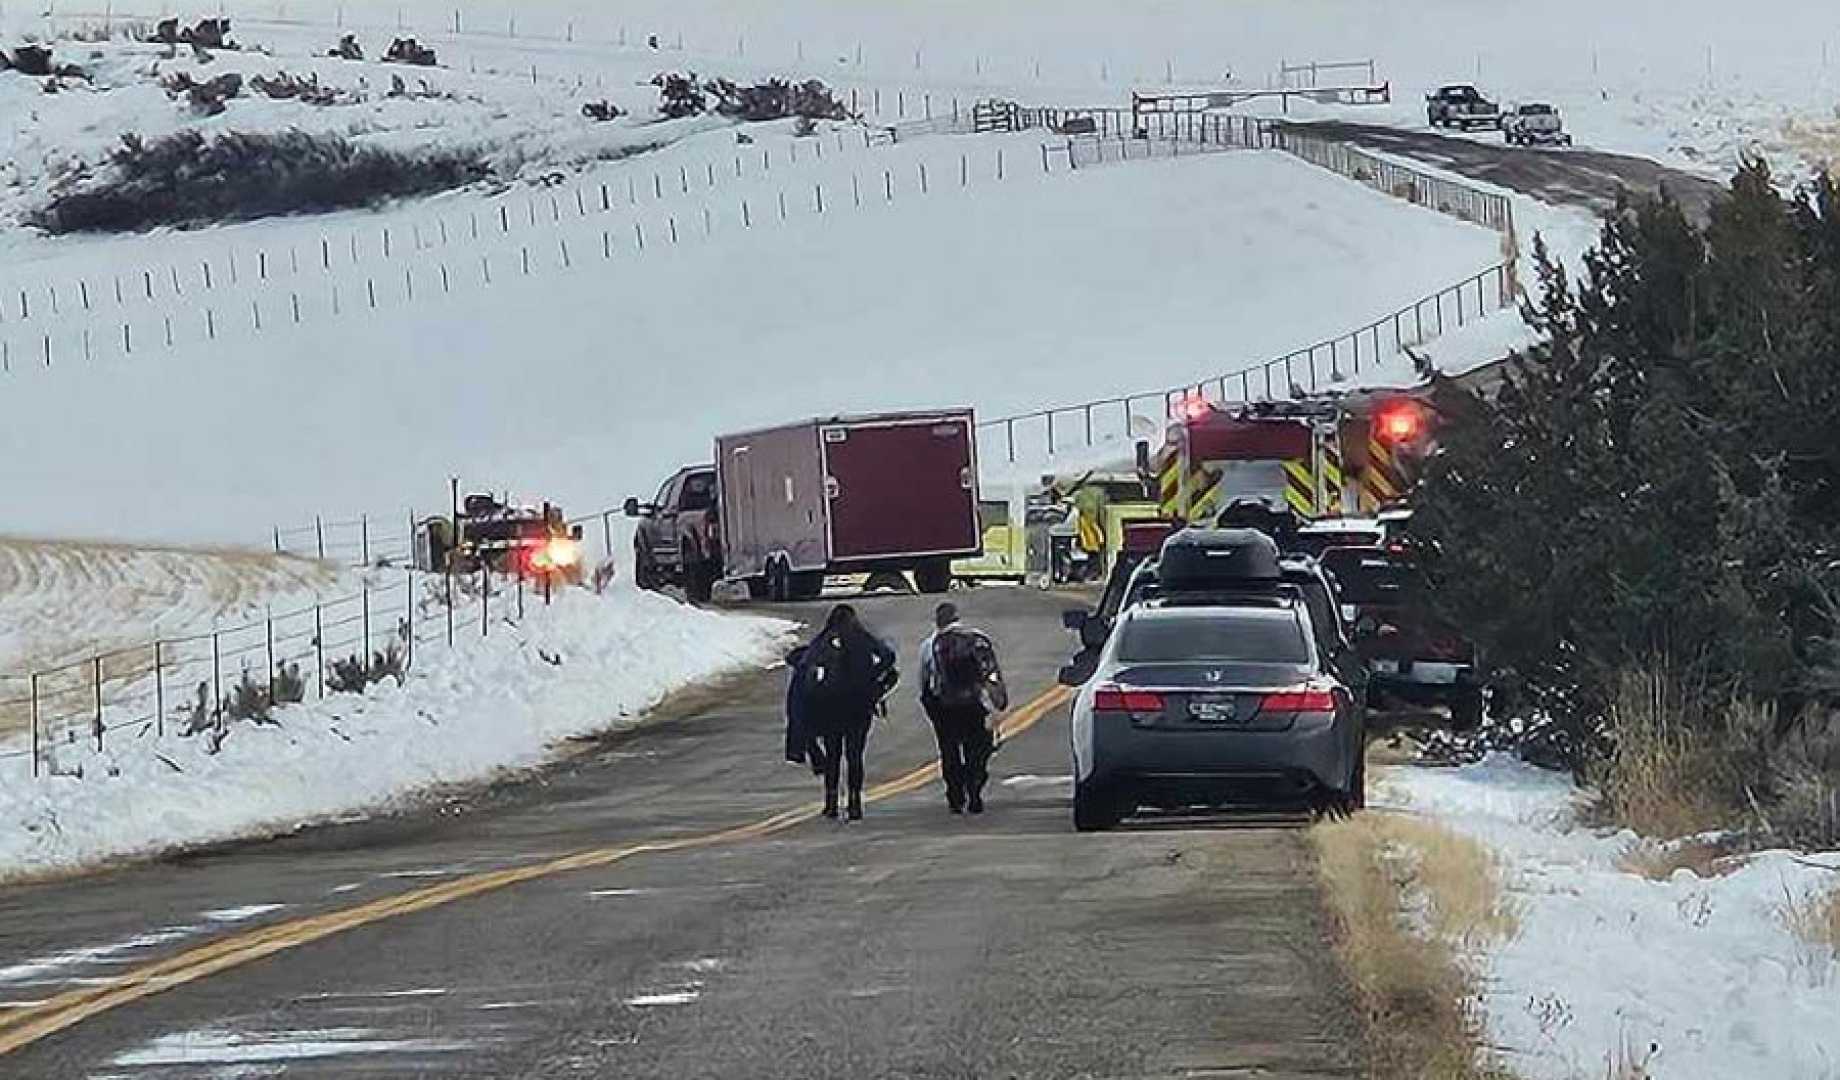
[(1214, 711)]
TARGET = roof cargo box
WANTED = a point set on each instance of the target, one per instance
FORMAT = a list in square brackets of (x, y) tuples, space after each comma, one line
[(1217, 558)]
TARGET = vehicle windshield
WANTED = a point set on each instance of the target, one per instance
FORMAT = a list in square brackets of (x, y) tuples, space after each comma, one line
[(1536, 110), (1366, 576), (1247, 635)]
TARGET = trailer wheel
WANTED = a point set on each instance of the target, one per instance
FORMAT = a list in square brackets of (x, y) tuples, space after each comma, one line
[(933, 576), (759, 588), (808, 585)]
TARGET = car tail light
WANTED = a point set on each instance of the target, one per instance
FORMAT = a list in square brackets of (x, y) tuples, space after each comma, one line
[(1311, 699), (1111, 698)]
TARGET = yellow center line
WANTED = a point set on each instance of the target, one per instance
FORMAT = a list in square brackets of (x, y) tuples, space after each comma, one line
[(28, 1025)]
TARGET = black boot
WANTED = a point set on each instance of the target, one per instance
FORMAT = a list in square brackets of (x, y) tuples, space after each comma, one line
[(975, 803), (855, 806), (830, 803)]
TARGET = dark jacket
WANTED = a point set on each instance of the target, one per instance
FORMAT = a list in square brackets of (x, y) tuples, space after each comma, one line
[(798, 730)]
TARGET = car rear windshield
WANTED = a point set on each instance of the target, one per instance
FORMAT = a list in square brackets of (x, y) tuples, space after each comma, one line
[(1249, 636), (1536, 110), (1369, 577)]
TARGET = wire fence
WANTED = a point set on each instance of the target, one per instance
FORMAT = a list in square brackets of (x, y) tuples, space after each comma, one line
[(1040, 435), (198, 685)]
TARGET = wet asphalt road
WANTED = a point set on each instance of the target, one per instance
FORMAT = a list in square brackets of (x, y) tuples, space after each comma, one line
[(1573, 176), (913, 944)]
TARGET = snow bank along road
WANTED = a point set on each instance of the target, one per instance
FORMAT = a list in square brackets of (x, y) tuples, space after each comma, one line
[(911, 944)]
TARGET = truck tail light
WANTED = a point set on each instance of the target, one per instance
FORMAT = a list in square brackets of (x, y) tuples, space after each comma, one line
[(1304, 699), (1114, 698)]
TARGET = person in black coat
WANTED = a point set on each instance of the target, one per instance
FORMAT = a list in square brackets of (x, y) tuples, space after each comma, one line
[(837, 685)]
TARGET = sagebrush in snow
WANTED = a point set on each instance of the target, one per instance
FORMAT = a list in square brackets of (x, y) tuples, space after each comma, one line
[(353, 674), (186, 179)]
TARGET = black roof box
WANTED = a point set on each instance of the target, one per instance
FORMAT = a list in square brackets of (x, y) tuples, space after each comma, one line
[(1214, 558)]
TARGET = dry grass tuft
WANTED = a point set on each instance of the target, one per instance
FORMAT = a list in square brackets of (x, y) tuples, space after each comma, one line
[(1416, 997), (1666, 778), (1814, 919), (1659, 862)]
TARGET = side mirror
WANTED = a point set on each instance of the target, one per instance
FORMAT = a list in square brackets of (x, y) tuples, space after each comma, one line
[(1075, 619), (632, 507)]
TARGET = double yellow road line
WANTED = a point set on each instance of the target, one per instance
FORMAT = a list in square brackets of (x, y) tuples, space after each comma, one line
[(22, 1027)]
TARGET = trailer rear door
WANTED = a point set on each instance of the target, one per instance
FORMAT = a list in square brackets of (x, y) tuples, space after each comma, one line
[(901, 487)]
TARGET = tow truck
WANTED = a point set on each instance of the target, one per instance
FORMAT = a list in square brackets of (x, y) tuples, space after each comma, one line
[(489, 532)]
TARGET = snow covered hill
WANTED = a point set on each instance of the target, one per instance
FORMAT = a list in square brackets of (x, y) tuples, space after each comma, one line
[(587, 382)]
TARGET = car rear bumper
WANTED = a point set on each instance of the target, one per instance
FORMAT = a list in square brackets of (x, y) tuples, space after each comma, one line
[(1303, 758)]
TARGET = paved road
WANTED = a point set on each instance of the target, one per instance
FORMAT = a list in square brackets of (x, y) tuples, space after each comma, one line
[(913, 944), (1568, 176)]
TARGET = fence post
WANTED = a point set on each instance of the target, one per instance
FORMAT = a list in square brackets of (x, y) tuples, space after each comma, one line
[(159, 693), (217, 679), (485, 600), (364, 609), (520, 597), (607, 531), (35, 735), (364, 538), (319, 531), (319, 649), (96, 675), (409, 615)]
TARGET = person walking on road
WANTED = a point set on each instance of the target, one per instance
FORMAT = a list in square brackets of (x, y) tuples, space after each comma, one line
[(839, 683), (960, 682)]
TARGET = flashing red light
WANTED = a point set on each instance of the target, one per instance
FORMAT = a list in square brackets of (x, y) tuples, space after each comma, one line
[(1399, 422), (1306, 700), (559, 553), (1110, 698)]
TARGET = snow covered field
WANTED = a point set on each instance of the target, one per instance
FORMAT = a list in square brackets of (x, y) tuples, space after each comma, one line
[(1699, 977), (589, 383), (1692, 82), (588, 664)]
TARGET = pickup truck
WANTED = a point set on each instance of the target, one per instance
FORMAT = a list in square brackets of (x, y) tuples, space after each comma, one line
[(678, 540), (1535, 124), (1461, 106), (1412, 656)]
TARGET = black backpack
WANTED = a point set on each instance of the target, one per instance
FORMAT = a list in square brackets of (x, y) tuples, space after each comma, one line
[(958, 667), (837, 673)]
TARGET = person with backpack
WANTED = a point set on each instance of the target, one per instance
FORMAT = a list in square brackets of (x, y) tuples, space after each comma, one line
[(839, 684), (960, 682)]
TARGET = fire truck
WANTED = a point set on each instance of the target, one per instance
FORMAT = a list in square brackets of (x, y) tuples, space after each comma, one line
[(1298, 460)]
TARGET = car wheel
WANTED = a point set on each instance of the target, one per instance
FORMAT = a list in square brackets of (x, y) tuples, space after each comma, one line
[(1095, 809), (1355, 798), (645, 575), (699, 582)]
